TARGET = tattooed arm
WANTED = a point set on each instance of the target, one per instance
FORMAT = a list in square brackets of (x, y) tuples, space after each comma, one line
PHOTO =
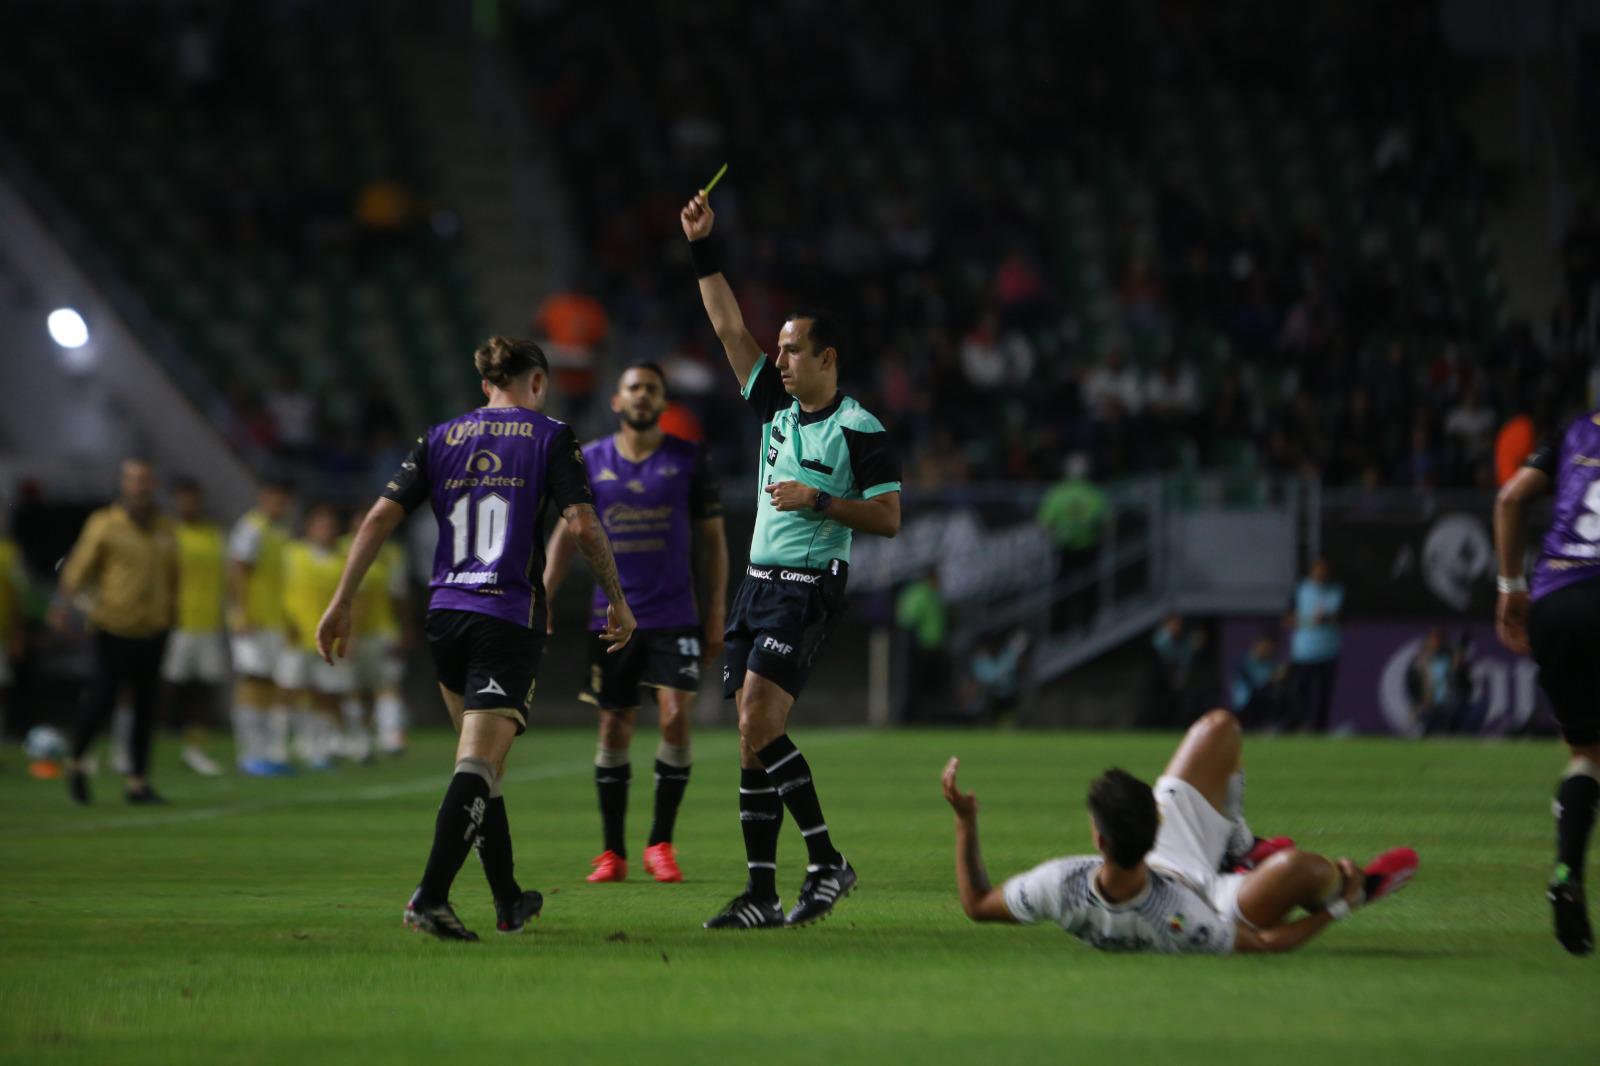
[(584, 524)]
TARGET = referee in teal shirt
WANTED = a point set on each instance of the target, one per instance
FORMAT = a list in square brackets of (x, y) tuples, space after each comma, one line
[(827, 472)]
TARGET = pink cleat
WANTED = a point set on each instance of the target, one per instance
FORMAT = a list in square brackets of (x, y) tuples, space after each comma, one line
[(662, 862), (608, 866)]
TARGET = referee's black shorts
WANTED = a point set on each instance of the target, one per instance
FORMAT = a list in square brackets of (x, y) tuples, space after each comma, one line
[(491, 662), (780, 618), (1564, 630)]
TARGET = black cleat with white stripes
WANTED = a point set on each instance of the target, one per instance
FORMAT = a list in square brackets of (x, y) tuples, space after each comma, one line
[(439, 919), (823, 887), (745, 911)]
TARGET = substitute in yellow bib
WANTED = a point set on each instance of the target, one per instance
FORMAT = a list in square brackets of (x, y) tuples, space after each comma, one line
[(255, 618), (311, 569), (196, 663), (380, 634)]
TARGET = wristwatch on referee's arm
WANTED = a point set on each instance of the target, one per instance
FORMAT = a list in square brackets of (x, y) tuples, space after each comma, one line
[(821, 501)]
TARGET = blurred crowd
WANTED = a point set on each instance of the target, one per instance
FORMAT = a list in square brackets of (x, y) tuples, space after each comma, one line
[(1233, 339)]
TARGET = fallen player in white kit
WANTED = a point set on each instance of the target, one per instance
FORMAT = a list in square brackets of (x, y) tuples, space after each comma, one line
[(1178, 869)]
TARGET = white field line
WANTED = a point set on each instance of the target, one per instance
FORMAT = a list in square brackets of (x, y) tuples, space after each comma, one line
[(370, 794)]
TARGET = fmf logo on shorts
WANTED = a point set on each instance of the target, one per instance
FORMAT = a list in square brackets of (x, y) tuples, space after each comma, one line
[(777, 646)]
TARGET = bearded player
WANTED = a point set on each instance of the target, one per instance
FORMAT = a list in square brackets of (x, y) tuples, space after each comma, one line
[(1156, 883), (827, 471), (1557, 617), (490, 476), (661, 508)]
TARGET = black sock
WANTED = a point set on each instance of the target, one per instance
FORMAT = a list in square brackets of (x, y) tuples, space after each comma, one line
[(1576, 797), (670, 784), (760, 816), (791, 776), (494, 851), (457, 826), (611, 782)]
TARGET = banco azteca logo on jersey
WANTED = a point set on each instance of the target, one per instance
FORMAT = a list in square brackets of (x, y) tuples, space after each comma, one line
[(484, 462)]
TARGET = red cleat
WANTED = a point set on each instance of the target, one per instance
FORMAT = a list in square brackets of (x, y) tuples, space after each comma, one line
[(1264, 849), (660, 860), (1389, 872), (608, 866)]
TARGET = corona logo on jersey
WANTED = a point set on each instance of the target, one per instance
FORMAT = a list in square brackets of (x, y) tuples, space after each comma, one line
[(463, 431), (484, 462)]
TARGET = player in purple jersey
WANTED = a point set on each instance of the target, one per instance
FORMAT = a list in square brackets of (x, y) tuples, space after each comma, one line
[(662, 510), (1558, 619), (490, 476)]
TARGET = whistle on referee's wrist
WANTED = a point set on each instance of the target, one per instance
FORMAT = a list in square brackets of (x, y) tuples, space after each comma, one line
[(1505, 584)]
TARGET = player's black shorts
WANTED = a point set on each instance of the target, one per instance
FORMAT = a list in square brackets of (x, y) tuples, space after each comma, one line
[(654, 658), (780, 618), (491, 662), (1564, 629)]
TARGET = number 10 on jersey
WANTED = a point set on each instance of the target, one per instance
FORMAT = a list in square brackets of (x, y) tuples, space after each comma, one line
[(484, 526)]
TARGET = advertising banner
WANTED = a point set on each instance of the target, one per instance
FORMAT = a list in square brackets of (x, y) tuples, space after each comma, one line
[(1433, 567), (1378, 686)]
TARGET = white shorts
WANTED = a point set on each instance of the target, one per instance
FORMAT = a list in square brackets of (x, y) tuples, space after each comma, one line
[(1191, 842), (195, 657), (304, 671), (377, 663), (256, 653)]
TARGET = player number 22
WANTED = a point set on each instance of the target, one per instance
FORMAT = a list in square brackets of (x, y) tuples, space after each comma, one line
[(492, 519)]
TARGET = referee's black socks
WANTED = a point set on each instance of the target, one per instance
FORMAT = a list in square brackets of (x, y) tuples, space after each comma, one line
[(460, 820), (790, 774), (1576, 798), (760, 818)]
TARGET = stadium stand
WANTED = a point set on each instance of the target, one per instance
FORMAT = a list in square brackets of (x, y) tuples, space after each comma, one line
[(1276, 258), (254, 173)]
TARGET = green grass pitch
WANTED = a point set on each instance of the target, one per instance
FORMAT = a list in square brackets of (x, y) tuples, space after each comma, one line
[(259, 921)]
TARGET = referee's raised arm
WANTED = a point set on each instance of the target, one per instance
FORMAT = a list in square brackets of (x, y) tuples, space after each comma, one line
[(723, 310)]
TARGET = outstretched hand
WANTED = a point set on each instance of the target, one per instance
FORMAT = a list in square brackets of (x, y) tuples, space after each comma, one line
[(697, 218), (965, 804), (333, 632)]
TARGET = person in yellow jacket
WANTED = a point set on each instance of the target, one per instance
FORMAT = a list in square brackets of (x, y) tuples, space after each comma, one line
[(196, 663), (255, 620), (381, 634), (124, 571), (311, 569)]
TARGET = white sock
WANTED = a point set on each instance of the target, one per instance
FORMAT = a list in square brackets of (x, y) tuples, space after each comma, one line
[(389, 714), (1240, 839), (673, 755), (122, 739), (357, 741), (249, 734), (307, 736), (275, 735)]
